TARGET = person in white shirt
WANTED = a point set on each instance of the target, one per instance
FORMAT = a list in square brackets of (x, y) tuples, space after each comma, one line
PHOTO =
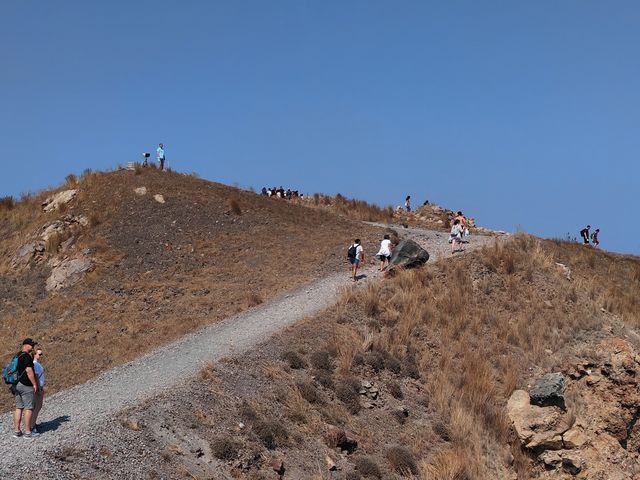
[(456, 236), (38, 370), (355, 255), (384, 254)]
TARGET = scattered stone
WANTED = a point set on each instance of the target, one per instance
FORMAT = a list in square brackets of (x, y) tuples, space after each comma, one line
[(564, 269), (158, 198), (277, 465), (331, 465), (549, 390), (53, 202), (574, 437), (572, 463), (551, 458), (24, 255), (593, 379), (548, 304), (141, 191), (408, 254), (337, 438)]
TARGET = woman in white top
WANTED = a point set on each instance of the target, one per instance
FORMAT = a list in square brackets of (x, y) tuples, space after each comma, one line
[(456, 236), (38, 370), (384, 254)]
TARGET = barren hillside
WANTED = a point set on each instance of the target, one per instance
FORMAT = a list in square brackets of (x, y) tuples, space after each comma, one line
[(109, 272)]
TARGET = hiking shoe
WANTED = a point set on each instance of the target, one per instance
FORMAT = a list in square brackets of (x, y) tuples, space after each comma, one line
[(17, 434), (31, 434), (35, 430)]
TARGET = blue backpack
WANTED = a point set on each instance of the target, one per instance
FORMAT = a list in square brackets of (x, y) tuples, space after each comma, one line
[(10, 373)]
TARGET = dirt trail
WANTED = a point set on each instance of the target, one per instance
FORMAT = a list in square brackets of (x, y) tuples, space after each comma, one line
[(70, 416)]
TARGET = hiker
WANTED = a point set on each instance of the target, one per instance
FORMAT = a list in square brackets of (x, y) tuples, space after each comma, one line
[(25, 391), (456, 236), (38, 369), (407, 203), (355, 255), (594, 238), (584, 233), (160, 156), (384, 254), (264, 191)]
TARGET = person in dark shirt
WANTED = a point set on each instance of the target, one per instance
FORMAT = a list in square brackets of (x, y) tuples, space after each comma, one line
[(594, 238), (584, 233), (25, 391)]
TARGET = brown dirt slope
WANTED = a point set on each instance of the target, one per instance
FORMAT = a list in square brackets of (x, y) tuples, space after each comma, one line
[(159, 270), (415, 370)]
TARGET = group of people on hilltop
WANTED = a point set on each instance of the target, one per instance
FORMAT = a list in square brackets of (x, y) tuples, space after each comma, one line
[(584, 233), (27, 386), (281, 193)]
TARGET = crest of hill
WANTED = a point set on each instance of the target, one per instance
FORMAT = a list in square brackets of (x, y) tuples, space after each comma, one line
[(116, 269)]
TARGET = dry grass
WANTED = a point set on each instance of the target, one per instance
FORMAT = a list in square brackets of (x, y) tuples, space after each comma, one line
[(161, 270)]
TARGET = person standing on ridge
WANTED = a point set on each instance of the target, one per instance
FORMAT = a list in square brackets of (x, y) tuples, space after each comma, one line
[(584, 233), (407, 203), (160, 156), (25, 391), (594, 238)]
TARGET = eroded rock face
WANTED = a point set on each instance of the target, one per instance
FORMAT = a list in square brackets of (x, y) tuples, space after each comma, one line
[(408, 254), (53, 202), (68, 272)]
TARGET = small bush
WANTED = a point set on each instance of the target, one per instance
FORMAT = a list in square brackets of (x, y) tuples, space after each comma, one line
[(347, 392), (324, 378), (225, 448), (322, 361), (395, 390), (72, 179), (309, 392), (247, 412), (402, 460), (375, 360), (234, 205), (271, 433), (6, 203), (392, 364), (294, 360), (94, 219), (367, 467)]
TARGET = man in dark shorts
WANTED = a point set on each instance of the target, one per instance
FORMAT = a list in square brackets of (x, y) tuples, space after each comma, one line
[(356, 258), (584, 233), (25, 391)]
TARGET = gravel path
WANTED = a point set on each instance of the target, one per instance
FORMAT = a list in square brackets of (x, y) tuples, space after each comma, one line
[(70, 416)]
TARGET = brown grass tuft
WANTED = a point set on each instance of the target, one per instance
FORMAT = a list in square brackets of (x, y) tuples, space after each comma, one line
[(402, 460), (6, 203), (234, 206)]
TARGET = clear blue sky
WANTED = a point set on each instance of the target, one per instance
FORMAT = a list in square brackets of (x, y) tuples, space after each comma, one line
[(522, 114)]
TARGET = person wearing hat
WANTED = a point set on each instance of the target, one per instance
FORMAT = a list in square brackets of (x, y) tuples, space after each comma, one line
[(25, 391)]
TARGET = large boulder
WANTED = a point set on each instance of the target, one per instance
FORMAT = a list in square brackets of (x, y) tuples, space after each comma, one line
[(549, 390), (539, 428), (408, 254), (53, 202)]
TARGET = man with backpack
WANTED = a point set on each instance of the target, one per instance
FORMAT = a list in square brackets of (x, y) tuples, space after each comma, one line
[(355, 255), (25, 390)]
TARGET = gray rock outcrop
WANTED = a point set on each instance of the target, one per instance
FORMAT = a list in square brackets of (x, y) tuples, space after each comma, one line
[(67, 273), (408, 254), (53, 202)]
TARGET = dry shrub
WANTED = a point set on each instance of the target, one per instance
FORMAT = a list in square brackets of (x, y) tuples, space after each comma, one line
[(395, 390), (324, 378), (322, 360), (225, 448), (94, 219), (347, 391), (309, 392), (208, 371), (253, 299), (247, 412), (6, 203), (296, 405), (367, 467), (234, 206), (71, 180), (446, 464), (294, 360), (272, 433), (402, 460)]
